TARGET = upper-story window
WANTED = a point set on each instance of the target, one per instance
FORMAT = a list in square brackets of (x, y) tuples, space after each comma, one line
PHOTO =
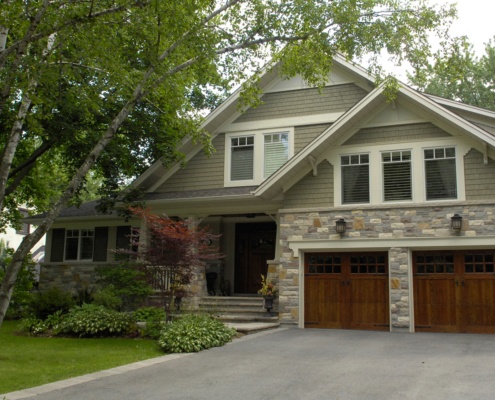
[(440, 173), (254, 156), (242, 158), (355, 178), (397, 175), (384, 174), (276, 151)]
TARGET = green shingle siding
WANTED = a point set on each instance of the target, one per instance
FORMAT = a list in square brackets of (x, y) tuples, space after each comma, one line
[(301, 102)]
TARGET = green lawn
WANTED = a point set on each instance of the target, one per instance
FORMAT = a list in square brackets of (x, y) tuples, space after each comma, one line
[(30, 361)]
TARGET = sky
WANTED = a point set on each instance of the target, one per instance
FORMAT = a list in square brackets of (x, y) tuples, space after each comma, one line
[(475, 19)]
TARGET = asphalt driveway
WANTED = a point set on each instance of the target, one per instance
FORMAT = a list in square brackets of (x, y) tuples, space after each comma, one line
[(307, 364)]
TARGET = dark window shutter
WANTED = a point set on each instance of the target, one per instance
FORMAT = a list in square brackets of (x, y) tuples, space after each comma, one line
[(101, 244), (57, 250)]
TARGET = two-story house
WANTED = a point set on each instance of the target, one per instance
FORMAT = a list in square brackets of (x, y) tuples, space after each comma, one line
[(367, 213)]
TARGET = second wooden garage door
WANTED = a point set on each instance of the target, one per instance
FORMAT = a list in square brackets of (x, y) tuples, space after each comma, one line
[(454, 291), (348, 291)]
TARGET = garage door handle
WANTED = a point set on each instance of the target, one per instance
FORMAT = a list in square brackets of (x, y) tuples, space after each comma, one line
[(457, 283)]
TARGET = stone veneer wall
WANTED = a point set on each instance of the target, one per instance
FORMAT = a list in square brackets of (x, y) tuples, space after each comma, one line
[(80, 276), (70, 277), (429, 221)]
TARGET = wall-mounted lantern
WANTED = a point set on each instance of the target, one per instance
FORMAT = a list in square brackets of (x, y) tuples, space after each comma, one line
[(340, 226), (456, 222)]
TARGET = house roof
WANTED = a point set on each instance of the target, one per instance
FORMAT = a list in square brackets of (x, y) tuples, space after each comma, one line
[(353, 119), (447, 114)]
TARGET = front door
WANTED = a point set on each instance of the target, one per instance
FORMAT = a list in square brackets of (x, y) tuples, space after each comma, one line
[(254, 246), (348, 291)]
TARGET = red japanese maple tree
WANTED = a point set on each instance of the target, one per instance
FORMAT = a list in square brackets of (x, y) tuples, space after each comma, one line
[(172, 250)]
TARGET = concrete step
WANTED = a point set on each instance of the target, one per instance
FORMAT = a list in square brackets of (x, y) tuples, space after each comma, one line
[(252, 327), (247, 318)]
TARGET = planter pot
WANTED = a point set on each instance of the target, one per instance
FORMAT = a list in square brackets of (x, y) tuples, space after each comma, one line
[(177, 303), (268, 302)]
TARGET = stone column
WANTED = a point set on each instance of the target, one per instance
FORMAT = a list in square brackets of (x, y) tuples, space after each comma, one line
[(400, 284)]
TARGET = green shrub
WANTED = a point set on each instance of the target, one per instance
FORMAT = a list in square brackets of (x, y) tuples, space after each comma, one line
[(50, 301), (55, 321), (150, 314), (154, 318), (128, 283), (193, 333), (90, 320), (107, 297), (32, 326)]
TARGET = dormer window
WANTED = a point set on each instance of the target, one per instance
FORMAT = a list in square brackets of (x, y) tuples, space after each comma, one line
[(253, 157), (242, 158)]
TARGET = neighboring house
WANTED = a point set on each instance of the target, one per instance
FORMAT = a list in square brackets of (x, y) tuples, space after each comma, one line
[(344, 199), (13, 238)]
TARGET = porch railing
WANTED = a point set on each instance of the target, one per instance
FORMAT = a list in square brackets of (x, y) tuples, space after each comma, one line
[(160, 279)]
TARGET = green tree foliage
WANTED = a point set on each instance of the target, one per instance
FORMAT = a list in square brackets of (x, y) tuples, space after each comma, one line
[(22, 294), (458, 74), (111, 86)]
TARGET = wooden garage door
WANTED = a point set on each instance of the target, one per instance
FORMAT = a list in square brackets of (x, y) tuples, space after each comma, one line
[(348, 291), (454, 291)]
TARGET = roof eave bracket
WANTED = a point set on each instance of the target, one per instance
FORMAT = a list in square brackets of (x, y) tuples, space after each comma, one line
[(312, 161), (485, 153)]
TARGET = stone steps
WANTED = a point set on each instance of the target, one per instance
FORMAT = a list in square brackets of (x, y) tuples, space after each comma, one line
[(244, 313)]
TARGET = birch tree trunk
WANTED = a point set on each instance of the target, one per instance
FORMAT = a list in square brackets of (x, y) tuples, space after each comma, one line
[(8, 282)]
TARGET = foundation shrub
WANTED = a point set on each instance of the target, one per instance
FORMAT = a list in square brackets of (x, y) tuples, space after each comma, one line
[(107, 297), (50, 301), (90, 320), (154, 319), (192, 333), (127, 283)]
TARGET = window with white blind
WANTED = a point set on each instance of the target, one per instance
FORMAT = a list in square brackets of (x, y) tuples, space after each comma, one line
[(253, 157), (440, 173), (355, 178), (242, 158), (276, 152), (397, 175)]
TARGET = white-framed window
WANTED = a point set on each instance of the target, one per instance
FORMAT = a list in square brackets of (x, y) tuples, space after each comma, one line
[(276, 151), (440, 173), (79, 244), (385, 173), (355, 178), (242, 158), (251, 157), (397, 175)]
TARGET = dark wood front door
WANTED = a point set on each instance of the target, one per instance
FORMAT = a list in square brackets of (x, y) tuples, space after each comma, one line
[(454, 291), (348, 291), (254, 246)]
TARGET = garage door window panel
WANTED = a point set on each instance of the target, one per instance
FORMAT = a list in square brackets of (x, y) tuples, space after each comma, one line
[(479, 263)]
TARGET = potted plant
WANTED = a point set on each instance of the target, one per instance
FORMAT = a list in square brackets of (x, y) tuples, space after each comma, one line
[(268, 291)]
